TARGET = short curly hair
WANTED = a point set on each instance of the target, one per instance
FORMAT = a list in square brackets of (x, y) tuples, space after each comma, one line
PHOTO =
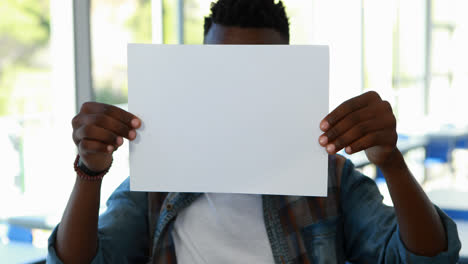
[(249, 13)]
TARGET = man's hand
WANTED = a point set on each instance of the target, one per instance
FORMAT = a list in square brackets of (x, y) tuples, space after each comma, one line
[(365, 123), (98, 130)]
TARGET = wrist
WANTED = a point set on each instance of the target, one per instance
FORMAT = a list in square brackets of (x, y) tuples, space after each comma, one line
[(91, 172), (85, 173), (395, 162)]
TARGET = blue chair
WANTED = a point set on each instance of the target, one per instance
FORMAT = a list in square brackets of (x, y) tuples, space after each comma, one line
[(19, 234), (439, 150), (456, 214), (462, 142)]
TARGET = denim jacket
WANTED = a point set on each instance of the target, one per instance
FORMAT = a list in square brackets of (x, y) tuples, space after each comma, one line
[(350, 224)]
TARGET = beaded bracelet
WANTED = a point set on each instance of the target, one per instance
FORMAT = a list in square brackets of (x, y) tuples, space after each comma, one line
[(84, 176)]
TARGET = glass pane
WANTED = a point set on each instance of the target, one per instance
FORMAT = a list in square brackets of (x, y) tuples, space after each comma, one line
[(114, 24), (378, 33), (170, 21), (409, 105), (300, 21), (25, 88), (25, 71), (410, 41), (449, 60), (459, 67), (443, 10), (36, 106), (440, 94), (393, 53), (441, 51), (194, 13)]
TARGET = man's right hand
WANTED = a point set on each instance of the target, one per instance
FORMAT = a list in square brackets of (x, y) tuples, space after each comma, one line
[(98, 130)]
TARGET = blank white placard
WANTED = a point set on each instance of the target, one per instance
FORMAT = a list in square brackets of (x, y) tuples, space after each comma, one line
[(228, 118)]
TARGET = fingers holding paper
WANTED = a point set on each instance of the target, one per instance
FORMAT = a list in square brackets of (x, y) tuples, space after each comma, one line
[(365, 122), (99, 130)]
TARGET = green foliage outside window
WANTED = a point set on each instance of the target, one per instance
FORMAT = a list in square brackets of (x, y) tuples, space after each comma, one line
[(24, 34)]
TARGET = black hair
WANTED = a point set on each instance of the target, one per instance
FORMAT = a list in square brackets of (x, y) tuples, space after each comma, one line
[(249, 13)]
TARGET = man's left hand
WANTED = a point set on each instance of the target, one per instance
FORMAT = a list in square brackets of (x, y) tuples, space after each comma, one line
[(365, 122)]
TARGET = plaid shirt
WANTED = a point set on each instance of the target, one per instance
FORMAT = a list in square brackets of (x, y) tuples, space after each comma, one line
[(351, 223)]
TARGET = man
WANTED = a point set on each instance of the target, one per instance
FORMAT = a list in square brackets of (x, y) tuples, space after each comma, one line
[(351, 223)]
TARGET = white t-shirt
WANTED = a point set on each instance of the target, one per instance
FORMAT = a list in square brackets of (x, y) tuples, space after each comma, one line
[(222, 228)]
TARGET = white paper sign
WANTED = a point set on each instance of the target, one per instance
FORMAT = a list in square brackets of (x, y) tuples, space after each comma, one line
[(228, 119)]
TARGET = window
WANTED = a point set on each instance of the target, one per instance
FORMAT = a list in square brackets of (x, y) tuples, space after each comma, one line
[(36, 106), (413, 55), (394, 54), (113, 25), (448, 67)]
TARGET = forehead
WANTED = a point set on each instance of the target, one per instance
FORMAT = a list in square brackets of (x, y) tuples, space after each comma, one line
[(219, 34)]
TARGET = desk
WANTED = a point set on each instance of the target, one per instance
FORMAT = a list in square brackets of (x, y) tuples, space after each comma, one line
[(15, 252), (33, 222)]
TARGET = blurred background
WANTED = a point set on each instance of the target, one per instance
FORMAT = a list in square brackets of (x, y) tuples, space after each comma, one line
[(57, 54)]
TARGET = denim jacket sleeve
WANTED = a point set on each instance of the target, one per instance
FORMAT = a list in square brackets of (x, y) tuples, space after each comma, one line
[(371, 230), (123, 229)]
